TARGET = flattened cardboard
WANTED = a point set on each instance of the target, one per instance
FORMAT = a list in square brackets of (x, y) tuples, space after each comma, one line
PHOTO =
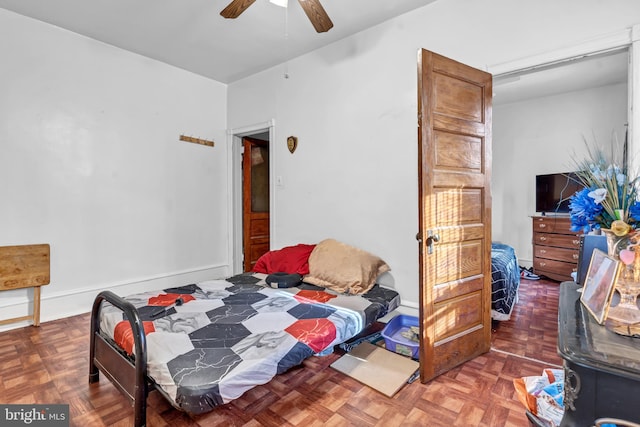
[(377, 368)]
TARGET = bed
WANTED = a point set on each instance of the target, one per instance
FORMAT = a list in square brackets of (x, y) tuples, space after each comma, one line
[(505, 281), (202, 345)]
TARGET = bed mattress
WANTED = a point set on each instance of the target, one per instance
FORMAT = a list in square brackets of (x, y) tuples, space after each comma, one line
[(208, 343)]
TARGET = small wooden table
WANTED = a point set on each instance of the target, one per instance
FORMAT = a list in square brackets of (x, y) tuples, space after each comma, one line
[(25, 266)]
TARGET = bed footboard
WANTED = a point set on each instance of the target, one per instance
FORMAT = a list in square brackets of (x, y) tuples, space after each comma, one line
[(130, 378)]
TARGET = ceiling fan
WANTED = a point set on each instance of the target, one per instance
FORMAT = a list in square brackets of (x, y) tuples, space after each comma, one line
[(312, 8)]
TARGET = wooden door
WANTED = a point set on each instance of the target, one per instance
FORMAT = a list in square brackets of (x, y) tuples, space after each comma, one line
[(255, 200), (454, 151)]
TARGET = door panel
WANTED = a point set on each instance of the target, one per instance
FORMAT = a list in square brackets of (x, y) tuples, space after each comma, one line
[(458, 206), (458, 314), (255, 200), (456, 98), (458, 260), (457, 152), (456, 288), (260, 226), (454, 149)]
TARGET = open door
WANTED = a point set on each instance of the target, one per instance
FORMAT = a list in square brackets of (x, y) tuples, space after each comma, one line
[(454, 172), (255, 200)]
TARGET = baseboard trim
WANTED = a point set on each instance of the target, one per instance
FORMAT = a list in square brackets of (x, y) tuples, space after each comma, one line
[(58, 305), (531, 359)]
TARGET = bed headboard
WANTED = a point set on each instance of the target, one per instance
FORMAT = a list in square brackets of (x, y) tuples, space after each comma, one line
[(25, 266)]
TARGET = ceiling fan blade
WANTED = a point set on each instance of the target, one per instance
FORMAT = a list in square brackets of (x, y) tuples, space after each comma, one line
[(317, 15), (235, 8)]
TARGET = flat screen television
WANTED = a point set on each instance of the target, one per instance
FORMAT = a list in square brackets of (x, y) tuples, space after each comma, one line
[(554, 190)]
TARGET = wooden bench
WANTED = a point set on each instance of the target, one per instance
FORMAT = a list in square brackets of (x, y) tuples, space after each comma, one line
[(25, 266)]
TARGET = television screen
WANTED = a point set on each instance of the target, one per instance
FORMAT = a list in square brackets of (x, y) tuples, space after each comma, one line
[(554, 190)]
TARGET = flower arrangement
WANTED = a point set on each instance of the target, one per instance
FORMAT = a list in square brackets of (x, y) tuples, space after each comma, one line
[(609, 199), (609, 202)]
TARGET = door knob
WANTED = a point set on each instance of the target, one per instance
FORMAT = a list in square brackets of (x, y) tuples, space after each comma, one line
[(431, 239)]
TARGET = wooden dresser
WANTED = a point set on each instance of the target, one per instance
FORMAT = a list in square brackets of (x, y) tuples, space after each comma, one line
[(555, 247)]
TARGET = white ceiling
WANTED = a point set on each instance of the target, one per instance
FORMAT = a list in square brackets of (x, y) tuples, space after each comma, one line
[(191, 34)]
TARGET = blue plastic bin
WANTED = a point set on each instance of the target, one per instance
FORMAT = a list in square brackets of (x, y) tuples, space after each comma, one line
[(394, 341)]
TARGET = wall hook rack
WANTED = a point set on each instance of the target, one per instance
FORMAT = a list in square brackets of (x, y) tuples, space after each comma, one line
[(207, 142)]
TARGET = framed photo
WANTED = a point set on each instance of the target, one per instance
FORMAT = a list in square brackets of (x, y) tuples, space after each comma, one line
[(599, 284)]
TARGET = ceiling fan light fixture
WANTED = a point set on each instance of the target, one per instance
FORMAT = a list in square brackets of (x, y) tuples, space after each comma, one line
[(281, 3), (312, 8)]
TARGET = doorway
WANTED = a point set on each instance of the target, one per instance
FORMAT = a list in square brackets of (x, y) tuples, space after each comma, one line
[(255, 200), (542, 117), (251, 230)]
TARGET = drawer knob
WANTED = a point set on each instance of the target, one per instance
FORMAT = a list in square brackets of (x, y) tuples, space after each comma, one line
[(575, 256), (542, 251), (542, 264), (576, 242), (543, 239), (542, 225)]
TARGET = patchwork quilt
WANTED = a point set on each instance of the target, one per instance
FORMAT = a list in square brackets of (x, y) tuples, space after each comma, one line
[(208, 343)]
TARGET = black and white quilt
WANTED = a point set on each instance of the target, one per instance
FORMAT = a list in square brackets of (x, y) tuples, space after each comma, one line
[(208, 343), (505, 281)]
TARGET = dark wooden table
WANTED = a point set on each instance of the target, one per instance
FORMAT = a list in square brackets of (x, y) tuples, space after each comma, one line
[(602, 368)]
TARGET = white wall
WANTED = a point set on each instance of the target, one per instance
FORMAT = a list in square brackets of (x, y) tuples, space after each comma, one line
[(546, 135), (90, 162), (353, 106)]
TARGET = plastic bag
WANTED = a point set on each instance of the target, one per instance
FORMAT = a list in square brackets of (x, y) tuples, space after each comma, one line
[(543, 395)]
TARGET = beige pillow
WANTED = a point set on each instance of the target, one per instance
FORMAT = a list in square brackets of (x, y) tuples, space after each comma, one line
[(345, 269)]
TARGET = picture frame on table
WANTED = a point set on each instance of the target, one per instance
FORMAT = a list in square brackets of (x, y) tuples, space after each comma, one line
[(599, 284)]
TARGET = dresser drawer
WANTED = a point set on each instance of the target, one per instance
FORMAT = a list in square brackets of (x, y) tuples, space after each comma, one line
[(552, 224), (558, 254), (558, 240), (557, 270)]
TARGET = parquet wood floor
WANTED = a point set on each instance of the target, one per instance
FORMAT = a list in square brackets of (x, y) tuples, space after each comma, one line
[(49, 364)]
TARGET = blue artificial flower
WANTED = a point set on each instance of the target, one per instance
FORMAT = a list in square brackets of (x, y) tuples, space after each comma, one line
[(584, 211), (610, 195), (634, 211)]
